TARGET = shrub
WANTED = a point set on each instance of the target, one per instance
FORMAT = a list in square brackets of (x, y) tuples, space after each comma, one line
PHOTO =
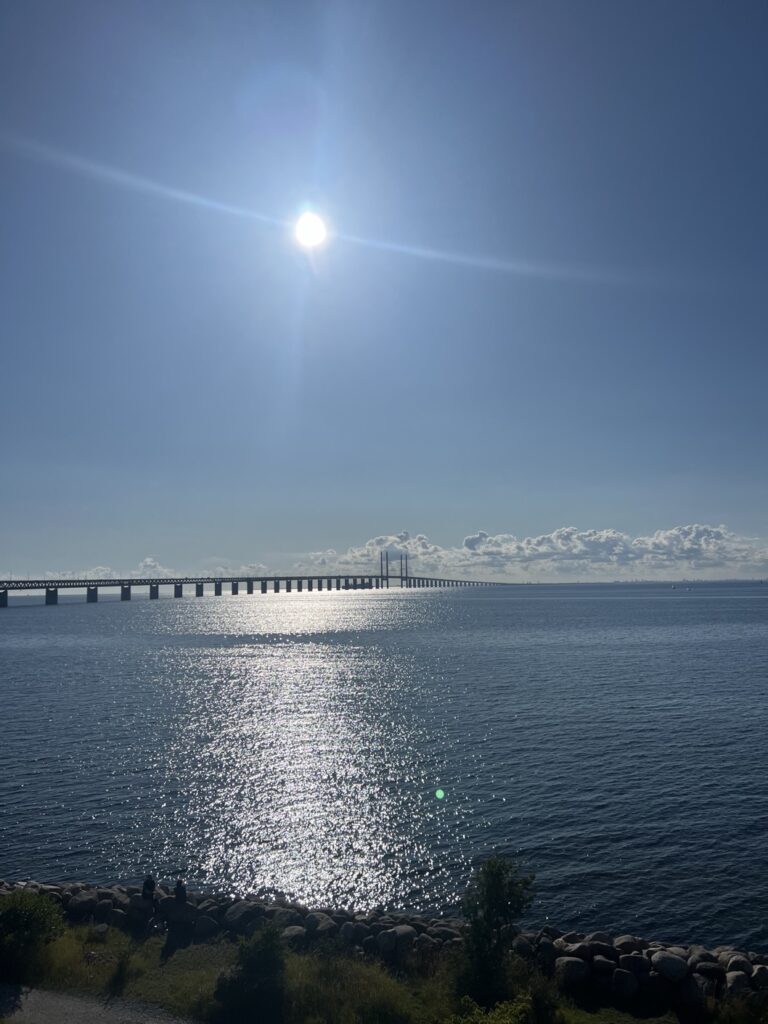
[(28, 922), (255, 989), (497, 894)]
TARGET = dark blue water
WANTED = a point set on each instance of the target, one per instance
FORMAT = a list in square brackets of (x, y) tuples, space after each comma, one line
[(614, 738)]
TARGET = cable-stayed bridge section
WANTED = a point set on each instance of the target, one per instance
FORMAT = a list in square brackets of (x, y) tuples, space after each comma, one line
[(282, 583)]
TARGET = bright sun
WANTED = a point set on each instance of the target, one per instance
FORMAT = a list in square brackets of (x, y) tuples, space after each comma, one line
[(310, 230)]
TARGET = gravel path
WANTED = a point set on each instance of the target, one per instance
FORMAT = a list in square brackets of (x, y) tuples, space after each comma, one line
[(34, 1006)]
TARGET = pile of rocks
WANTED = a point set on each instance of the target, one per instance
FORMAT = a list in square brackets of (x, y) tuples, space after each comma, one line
[(625, 968), (390, 936), (628, 968)]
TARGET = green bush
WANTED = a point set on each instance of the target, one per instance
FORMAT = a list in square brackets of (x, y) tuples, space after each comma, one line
[(255, 989), (496, 895), (28, 922), (519, 1011)]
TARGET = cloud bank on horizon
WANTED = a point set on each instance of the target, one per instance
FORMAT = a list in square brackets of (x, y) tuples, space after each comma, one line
[(566, 554)]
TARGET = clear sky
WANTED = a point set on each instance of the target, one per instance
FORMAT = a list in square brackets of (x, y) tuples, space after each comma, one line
[(585, 347)]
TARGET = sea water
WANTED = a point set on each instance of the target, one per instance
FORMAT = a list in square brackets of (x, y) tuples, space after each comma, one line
[(367, 748)]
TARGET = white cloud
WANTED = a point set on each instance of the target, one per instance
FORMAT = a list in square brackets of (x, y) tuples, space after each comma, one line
[(564, 554)]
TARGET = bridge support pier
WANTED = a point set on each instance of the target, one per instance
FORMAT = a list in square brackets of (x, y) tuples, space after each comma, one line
[(263, 586), (346, 583), (378, 582), (338, 582), (277, 586), (178, 590), (320, 584), (310, 584), (51, 595), (299, 585), (91, 595), (154, 591), (329, 584), (198, 590), (217, 588), (235, 587), (125, 593), (249, 586), (3, 598)]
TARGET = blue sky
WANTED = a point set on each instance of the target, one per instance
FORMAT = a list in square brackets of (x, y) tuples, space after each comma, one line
[(180, 381)]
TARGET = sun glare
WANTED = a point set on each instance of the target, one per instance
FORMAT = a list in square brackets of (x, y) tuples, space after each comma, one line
[(310, 230)]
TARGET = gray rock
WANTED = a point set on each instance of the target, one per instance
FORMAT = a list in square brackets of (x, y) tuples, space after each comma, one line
[(656, 987), (314, 920), (294, 936), (571, 972), (624, 984), (627, 944), (573, 937), (240, 915), (102, 910), (370, 945), (362, 932), (579, 949), (387, 942), (739, 963), (690, 991), (635, 962), (602, 965), (347, 934), (760, 976), (82, 906), (210, 908), (446, 934), (426, 946), (709, 970), (605, 949), (405, 935), (99, 932), (602, 937), (205, 927), (680, 951), (737, 983), (285, 917), (669, 966)]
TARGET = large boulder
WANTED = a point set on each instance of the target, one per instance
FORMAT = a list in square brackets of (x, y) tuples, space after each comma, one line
[(386, 942), (82, 905), (605, 949), (571, 972), (287, 917), (760, 976), (636, 963), (601, 937), (582, 950), (319, 922), (627, 944), (405, 936), (740, 963), (520, 946), (624, 984), (294, 936), (737, 983), (241, 915), (669, 966), (347, 933), (445, 934)]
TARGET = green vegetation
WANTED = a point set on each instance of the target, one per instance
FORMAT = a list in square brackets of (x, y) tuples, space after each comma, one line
[(27, 924), (496, 896)]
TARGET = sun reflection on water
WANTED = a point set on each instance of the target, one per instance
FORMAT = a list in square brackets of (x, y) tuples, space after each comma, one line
[(314, 774)]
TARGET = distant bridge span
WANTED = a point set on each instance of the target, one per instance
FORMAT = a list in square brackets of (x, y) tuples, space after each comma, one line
[(253, 584)]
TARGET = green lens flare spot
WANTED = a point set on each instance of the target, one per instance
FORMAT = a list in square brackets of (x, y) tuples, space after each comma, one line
[(439, 793)]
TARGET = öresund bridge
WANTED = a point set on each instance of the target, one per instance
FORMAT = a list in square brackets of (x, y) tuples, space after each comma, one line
[(285, 583)]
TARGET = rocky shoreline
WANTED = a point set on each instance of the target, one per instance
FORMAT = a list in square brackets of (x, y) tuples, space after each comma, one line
[(622, 967)]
